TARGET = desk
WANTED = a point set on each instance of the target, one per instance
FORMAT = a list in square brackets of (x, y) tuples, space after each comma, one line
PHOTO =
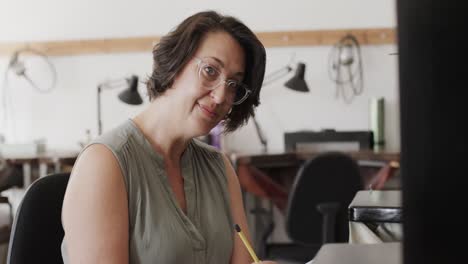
[(375, 217), (387, 253), (270, 176), (41, 163)]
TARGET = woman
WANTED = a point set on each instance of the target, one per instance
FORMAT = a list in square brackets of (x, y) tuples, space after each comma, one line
[(147, 191)]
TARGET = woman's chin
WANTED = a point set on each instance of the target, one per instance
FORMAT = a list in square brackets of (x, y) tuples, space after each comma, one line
[(201, 130)]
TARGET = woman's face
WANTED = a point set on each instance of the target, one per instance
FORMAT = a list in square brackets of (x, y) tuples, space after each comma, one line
[(203, 86)]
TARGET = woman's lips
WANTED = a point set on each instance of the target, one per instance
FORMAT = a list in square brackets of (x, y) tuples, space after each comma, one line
[(209, 112)]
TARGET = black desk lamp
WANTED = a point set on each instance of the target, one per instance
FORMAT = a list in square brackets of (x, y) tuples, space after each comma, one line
[(296, 83), (129, 96)]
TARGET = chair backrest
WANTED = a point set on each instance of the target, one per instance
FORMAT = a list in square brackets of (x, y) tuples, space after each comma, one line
[(329, 177), (37, 230)]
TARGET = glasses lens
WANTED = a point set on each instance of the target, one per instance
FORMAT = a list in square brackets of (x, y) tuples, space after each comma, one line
[(240, 95), (209, 75), (211, 78)]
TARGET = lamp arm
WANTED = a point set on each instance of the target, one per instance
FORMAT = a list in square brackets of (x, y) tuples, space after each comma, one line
[(109, 85), (277, 74), (99, 90), (260, 135), (112, 85), (130, 97), (270, 78)]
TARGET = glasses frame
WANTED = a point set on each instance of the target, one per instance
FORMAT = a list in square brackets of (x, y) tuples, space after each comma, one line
[(223, 81)]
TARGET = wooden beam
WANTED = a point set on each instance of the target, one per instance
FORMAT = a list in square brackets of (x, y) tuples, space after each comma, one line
[(79, 47), (371, 36), (375, 36)]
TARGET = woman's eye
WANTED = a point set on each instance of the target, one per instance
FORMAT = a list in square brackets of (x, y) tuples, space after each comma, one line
[(210, 71)]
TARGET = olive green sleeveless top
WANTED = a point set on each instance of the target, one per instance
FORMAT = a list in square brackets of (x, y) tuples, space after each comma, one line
[(160, 232)]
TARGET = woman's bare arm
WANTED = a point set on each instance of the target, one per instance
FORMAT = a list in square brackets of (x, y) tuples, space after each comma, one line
[(95, 210), (240, 255)]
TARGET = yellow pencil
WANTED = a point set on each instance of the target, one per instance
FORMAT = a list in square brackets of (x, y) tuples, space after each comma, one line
[(246, 243)]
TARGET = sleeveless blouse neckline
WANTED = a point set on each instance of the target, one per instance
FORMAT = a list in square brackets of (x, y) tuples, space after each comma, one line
[(189, 220), (185, 158)]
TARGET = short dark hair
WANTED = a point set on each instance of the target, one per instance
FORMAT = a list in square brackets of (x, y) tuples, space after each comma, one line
[(175, 49)]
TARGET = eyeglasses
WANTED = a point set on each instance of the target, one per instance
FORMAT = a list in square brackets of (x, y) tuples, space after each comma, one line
[(211, 77)]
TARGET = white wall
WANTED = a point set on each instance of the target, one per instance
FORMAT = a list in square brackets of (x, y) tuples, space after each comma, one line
[(63, 115)]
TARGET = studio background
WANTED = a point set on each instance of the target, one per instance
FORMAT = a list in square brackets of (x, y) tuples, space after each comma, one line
[(63, 116)]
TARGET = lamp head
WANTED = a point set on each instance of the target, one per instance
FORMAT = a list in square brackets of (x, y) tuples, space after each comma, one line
[(131, 95), (297, 82)]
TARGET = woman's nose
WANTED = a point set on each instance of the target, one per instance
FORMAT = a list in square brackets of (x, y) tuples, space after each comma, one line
[(219, 93)]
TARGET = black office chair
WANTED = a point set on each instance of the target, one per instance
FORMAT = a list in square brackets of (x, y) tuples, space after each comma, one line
[(37, 230), (317, 206)]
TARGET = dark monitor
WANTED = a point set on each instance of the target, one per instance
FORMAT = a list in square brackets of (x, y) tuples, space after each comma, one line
[(328, 140), (432, 78)]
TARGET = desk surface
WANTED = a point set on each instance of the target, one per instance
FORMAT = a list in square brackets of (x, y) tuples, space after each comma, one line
[(49, 155), (389, 199), (271, 175), (383, 253), (376, 206), (296, 158)]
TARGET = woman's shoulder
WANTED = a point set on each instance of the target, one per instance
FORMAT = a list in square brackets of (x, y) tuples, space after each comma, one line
[(113, 139), (213, 157), (201, 147), (107, 146)]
